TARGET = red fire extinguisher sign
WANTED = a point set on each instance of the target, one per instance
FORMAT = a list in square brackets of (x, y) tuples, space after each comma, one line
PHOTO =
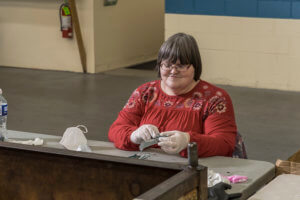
[(65, 21)]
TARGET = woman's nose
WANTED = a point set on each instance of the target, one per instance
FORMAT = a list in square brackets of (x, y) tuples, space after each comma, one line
[(174, 69)]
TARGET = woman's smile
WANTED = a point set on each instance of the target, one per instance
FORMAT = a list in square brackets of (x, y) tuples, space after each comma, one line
[(173, 76)]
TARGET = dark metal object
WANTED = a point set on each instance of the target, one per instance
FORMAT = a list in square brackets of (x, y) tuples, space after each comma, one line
[(148, 143), (32, 172), (141, 156), (193, 154)]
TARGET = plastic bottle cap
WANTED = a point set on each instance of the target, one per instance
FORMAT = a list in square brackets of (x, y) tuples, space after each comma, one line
[(0, 91)]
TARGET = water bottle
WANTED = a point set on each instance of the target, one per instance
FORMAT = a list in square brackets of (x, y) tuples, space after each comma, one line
[(3, 116)]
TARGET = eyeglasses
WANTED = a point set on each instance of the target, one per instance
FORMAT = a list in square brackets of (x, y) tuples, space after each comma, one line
[(170, 66)]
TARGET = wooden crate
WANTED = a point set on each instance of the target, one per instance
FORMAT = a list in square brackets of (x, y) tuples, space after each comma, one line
[(30, 172)]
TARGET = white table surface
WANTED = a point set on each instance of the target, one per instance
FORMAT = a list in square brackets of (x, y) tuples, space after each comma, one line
[(285, 186), (258, 172)]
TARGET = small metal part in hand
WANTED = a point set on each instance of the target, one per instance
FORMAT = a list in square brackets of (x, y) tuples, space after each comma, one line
[(149, 143)]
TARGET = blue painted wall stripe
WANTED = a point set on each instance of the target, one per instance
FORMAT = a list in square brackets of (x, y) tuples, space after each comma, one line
[(289, 9)]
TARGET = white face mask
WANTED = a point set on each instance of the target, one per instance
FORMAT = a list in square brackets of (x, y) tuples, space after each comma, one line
[(74, 139)]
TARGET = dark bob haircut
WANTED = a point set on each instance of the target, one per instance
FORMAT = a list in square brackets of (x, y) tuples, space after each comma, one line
[(182, 47)]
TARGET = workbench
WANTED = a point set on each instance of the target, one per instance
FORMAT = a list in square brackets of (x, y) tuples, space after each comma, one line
[(259, 173)]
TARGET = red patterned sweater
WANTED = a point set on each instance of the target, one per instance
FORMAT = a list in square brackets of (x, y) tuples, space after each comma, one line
[(206, 113)]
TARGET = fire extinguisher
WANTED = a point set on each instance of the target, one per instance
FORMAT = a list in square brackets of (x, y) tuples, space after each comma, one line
[(65, 21)]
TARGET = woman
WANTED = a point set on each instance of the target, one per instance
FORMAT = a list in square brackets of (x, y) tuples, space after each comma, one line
[(180, 107)]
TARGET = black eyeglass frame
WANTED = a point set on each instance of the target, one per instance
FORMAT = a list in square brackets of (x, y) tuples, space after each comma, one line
[(170, 66)]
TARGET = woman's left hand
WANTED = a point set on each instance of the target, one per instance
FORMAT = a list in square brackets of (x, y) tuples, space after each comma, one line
[(173, 141)]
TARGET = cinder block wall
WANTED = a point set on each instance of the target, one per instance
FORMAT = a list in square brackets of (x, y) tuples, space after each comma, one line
[(253, 43)]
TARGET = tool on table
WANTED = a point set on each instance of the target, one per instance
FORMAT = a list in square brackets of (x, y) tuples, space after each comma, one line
[(141, 156)]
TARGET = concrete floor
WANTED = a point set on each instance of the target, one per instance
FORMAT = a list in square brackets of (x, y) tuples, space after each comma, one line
[(49, 101)]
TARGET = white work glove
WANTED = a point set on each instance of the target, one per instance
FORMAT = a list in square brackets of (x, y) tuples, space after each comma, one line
[(144, 133), (173, 142)]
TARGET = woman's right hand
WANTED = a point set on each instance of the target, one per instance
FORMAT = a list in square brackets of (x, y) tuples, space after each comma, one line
[(144, 133)]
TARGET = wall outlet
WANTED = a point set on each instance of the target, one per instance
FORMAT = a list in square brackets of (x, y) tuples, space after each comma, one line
[(110, 2)]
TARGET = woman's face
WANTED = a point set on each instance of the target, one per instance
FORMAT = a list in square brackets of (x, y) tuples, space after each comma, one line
[(177, 78)]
